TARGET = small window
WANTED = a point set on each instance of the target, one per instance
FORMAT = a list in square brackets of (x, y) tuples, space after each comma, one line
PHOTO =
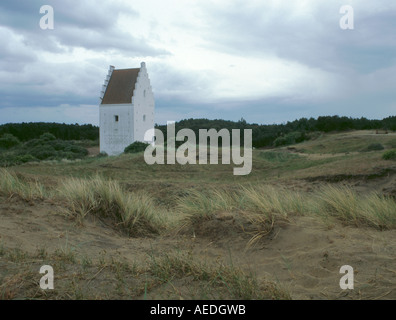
[(116, 118), (144, 117)]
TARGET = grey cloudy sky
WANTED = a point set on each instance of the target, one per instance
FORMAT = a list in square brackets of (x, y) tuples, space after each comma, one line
[(266, 61)]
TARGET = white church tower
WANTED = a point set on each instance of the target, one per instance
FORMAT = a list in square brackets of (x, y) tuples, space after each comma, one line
[(126, 109)]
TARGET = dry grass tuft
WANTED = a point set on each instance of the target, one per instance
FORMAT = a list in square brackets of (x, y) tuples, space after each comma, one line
[(199, 205), (373, 210), (11, 185), (264, 206), (135, 213)]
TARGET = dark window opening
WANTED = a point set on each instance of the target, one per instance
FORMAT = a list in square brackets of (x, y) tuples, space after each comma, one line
[(116, 118)]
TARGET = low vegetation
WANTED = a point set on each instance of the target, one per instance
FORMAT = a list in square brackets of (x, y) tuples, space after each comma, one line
[(277, 157), (136, 147), (389, 155), (47, 147), (374, 147), (79, 277), (290, 138), (217, 281)]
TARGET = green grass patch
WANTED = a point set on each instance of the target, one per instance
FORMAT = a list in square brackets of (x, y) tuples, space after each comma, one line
[(274, 156), (389, 155), (356, 141)]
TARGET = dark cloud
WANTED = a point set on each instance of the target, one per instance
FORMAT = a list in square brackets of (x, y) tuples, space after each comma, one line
[(314, 39), (362, 61), (29, 79), (88, 14), (51, 84), (88, 24)]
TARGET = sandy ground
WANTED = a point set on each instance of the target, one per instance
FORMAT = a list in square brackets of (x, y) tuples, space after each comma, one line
[(303, 256)]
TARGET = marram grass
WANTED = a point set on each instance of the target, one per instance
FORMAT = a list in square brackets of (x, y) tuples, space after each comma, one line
[(261, 205), (265, 205), (11, 185), (373, 209), (201, 205), (135, 213)]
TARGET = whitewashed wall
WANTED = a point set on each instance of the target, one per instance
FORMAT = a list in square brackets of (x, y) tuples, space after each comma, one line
[(143, 103), (115, 136)]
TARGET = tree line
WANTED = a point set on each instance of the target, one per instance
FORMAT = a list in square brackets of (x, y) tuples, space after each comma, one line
[(34, 130), (291, 132), (263, 135)]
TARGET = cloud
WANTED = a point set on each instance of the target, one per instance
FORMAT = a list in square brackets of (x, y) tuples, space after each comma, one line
[(14, 54), (264, 61), (306, 32), (89, 24), (67, 65)]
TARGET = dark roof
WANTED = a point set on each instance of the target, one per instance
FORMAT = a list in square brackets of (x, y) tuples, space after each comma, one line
[(120, 87)]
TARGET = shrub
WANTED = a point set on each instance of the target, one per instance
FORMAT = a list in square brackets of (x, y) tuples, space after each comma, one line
[(290, 138), (43, 152), (25, 158), (280, 141), (375, 146), (42, 149), (8, 141), (77, 151), (33, 143), (389, 155), (135, 147), (59, 145)]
